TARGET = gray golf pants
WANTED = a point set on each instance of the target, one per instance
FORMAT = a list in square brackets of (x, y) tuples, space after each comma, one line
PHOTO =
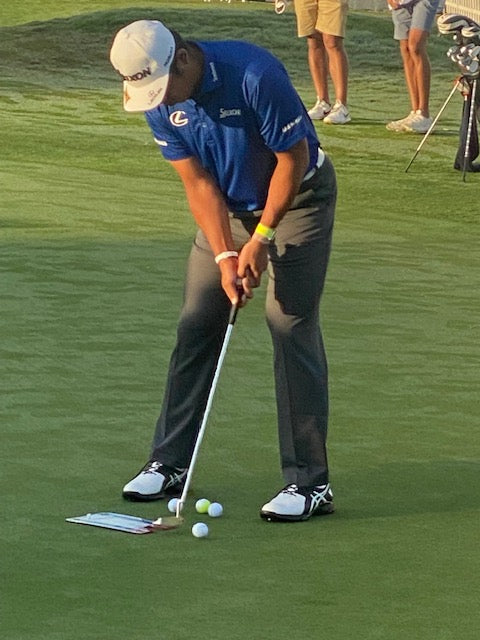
[(296, 275)]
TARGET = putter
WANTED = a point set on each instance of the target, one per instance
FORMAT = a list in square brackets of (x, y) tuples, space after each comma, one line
[(136, 525), (171, 522)]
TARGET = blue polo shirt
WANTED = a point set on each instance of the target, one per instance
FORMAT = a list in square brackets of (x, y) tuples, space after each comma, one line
[(244, 110)]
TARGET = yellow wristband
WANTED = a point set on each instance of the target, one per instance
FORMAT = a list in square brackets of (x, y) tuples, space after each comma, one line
[(265, 232)]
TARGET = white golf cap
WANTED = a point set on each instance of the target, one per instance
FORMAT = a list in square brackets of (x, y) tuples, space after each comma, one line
[(142, 53)]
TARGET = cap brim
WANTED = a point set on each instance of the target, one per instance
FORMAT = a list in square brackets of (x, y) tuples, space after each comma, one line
[(144, 98)]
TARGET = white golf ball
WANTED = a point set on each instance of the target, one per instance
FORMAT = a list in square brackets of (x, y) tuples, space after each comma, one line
[(200, 530), (215, 510), (202, 505), (172, 505)]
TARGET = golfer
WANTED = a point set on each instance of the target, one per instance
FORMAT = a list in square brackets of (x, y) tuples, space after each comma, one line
[(262, 192)]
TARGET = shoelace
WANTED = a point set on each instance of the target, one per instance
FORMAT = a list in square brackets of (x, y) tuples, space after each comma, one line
[(291, 489), (153, 468), (320, 492)]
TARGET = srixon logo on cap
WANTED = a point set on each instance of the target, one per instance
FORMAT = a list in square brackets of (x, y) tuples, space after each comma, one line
[(138, 76)]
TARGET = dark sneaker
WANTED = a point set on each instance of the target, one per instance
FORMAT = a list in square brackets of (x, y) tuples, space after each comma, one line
[(299, 503), (155, 481)]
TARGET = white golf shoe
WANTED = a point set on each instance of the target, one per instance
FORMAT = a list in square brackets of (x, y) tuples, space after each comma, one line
[(154, 482), (294, 503)]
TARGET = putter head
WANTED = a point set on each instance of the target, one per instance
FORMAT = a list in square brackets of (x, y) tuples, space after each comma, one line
[(166, 523)]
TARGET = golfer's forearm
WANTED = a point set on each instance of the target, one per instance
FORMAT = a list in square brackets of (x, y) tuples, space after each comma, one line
[(211, 214), (281, 194), (285, 183), (207, 204)]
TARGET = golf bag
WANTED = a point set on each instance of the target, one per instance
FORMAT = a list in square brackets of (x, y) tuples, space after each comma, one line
[(466, 53), (462, 162)]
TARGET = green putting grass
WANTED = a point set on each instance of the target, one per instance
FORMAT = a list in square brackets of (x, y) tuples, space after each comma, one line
[(94, 232)]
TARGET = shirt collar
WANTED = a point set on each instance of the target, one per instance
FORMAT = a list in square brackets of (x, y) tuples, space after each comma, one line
[(211, 79)]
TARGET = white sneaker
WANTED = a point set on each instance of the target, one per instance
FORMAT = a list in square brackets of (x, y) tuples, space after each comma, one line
[(419, 123), (399, 125), (294, 503), (155, 481), (319, 110), (281, 5), (338, 115)]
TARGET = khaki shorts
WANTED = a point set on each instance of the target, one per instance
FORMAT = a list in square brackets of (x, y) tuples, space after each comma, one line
[(325, 16)]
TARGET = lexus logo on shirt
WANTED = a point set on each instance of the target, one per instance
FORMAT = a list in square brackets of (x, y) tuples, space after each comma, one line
[(178, 118)]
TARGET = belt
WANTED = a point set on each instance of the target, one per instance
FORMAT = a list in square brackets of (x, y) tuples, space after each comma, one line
[(311, 179), (320, 161)]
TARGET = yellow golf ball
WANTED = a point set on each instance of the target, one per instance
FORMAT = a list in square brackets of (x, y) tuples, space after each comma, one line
[(202, 505)]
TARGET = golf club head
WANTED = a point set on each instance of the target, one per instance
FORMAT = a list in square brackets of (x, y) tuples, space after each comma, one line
[(475, 52), (457, 57), (471, 34), (470, 50), (452, 51), (472, 67), (166, 523), (449, 23)]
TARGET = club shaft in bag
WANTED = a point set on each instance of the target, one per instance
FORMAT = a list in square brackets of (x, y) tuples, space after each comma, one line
[(471, 117), (201, 432)]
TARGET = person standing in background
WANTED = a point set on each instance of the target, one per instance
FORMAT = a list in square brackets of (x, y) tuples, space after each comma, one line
[(413, 20), (323, 23)]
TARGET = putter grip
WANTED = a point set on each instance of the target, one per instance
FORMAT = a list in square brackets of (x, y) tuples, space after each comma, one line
[(233, 314), (234, 309)]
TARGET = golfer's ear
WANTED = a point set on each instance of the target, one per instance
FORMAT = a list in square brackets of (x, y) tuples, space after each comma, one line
[(180, 61)]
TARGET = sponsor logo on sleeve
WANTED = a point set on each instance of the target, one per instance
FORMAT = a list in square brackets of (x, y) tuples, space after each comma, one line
[(214, 72), (292, 124), (178, 118)]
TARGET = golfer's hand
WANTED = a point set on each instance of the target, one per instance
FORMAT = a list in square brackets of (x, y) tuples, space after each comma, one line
[(231, 283), (252, 262)]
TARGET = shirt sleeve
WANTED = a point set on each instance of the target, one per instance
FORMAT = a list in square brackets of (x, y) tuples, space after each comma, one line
[(281, 116), (172, 147)]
